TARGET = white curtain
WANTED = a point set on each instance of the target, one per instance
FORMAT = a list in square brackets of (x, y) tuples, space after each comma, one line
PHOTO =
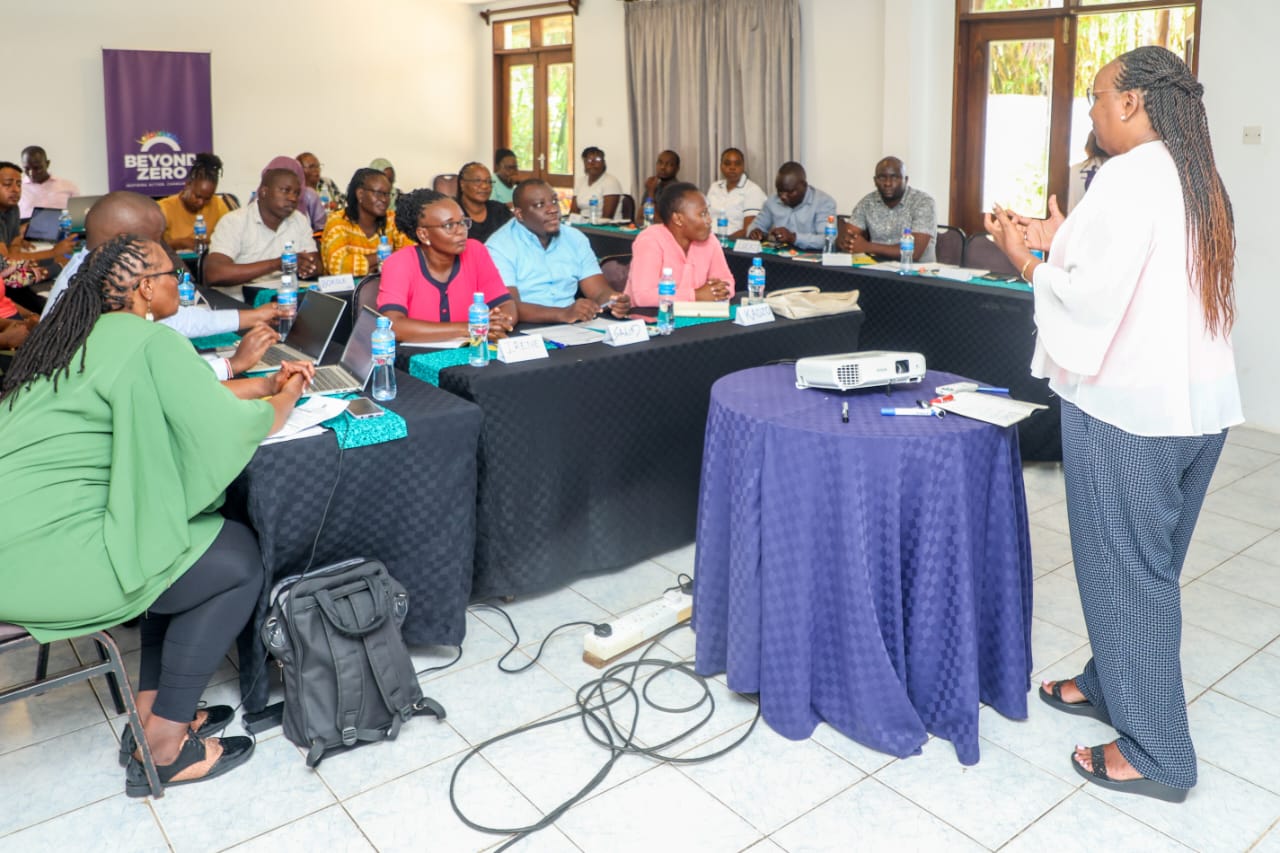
[(705, 75)]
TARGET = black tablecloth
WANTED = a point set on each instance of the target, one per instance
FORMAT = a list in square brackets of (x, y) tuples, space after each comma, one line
[(409, 503), (589, 459)]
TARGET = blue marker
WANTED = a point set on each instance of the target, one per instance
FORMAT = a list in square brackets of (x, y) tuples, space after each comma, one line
[(902, 413)]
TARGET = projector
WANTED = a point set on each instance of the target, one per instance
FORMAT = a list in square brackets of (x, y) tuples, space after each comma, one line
[(851, 370)]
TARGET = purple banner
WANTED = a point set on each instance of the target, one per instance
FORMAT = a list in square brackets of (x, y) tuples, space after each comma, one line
[(159, 116)]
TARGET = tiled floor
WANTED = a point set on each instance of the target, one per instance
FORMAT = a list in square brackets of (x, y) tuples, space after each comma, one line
[(63, 790)]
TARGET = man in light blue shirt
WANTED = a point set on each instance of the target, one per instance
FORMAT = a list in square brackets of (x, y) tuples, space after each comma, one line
[(547, 267), (797, 214)]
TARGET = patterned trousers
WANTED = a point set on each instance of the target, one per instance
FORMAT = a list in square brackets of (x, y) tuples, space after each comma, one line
[(1132, 502)]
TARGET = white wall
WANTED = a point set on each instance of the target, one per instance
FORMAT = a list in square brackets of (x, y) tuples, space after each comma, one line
[(409, 94)]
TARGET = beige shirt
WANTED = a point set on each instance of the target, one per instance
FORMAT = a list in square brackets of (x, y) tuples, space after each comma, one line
[(242, 236)]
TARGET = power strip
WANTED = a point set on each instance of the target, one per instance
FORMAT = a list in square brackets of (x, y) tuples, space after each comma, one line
[(634, 629)]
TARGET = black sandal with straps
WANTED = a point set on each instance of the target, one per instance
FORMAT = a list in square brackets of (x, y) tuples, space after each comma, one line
[(1141, 786), (216, 718), (235, 751), (1053, 698)]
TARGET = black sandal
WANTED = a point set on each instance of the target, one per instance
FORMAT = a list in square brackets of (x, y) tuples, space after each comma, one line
[(235, 751), (216, 718), (1083, 709), (1142, 787)]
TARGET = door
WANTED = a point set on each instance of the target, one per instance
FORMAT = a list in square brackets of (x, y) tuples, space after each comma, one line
[(534, 103)]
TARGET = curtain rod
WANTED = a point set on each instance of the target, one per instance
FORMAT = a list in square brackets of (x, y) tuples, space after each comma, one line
[(572, 4)]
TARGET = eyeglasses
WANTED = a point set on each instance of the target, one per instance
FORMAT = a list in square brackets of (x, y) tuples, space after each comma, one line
[(450, 227), (140, 279), (377, 193), (488, 182), (1092, 96)]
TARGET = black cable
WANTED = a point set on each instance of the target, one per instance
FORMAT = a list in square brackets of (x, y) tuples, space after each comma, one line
[(684, 583), (515, 643), (608, 734), (432, 669)]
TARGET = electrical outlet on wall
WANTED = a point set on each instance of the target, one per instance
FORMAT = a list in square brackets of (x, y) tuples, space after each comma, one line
[(1253, 135)]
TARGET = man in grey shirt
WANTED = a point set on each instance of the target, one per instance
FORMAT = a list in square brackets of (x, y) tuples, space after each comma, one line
[(878, 219), (797, 214)]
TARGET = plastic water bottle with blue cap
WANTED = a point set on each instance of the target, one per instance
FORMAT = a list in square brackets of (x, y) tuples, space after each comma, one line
[(648, 212), (383, 346), (287, 299), (289, 262), (906, 252), (666, 302), (722, 227), (186, 290), (478, 331), (829, 236), (201, 232), (594, 210), (64, 225), (384, 250), (755, 282)]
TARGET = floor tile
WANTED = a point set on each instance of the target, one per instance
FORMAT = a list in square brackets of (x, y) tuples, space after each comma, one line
[(275, 788), (670, 690), (870, 816), (1256, 682), (1258, 439), (56, 712), (549, 840), (1038, 499), (1207, 656), (1225, 475), (1237, 738), (679, 560), (562, 657), (991, 801), (1050, 643), (764, 845), (117, 824), (482, 702), (48, 787), (1248, 577), (535, 617), (1222, 813), (422, 740), (1245, 620), (1263, 482), (1045, 738), (1053, 517), (413, 813), (1253, 458), (1050, 549), (625, 590), (865, 758), (1057, 601), (1268, 550), (480, 644), (330, 828), (758, 779), (1236, 502), (1201, 557), (659, 810), (1270, 842), (1227, 532), (1083, 824)]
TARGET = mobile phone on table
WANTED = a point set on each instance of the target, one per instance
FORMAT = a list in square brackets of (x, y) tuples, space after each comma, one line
[(363, 407)]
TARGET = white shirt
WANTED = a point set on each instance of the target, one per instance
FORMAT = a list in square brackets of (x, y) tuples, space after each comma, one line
[(54, 192), (745, 198), (191, 322), (1121, 331), (606, 185), (242, 236)]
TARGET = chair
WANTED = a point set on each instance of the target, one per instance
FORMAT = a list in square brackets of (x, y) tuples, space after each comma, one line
[(110, 663), (366, 294), (232, 201), (626, 208), (950, 244), (615, 269), (981, 252)]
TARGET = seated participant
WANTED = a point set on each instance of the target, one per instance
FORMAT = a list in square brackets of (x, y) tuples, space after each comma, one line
[(324, 188), (199, 197), (681, 241), (547, 266), (248, 242), (797, 215), (39, 188), (383, 165), (12, 245), (117, 444), (878, 219), (16, 322), (1082, 173), (735, 194), (666, 172), (507, 171), (352, 236), (595, 182), (474, 188), (427, 288)]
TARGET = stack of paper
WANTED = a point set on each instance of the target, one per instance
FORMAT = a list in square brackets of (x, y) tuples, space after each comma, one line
[(992, 408)]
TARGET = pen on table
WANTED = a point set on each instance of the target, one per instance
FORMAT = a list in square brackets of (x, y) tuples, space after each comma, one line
[(844, 412), (924, 413), (985, 390)]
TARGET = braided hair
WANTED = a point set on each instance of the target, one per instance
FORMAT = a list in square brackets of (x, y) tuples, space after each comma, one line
[(1172, 100), (105, 282), (353, 203), (207, 167)]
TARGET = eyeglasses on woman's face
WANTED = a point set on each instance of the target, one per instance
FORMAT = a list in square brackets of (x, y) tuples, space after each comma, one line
[(452, 226), (1091, 95), (377, 193)]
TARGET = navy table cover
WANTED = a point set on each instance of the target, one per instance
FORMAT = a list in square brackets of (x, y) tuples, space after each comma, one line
[(875, 574)]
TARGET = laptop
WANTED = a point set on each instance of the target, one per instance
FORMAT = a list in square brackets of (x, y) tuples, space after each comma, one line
[(78, 206), (43, 225), (353, 369), (313, 327)]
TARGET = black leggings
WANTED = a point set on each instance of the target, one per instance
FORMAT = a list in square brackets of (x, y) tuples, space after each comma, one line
[(187, 630)]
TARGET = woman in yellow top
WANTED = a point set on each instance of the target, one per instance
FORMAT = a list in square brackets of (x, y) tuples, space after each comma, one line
[(198, 198), (352, 235), (117, 442)]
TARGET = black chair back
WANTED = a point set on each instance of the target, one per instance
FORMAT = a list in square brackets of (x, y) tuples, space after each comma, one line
[(366, 294), (981, 252), (626, 208), (616, 268), (950, 245)]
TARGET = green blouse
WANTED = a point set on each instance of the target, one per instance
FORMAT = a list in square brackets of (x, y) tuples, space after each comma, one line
[(111, 485)]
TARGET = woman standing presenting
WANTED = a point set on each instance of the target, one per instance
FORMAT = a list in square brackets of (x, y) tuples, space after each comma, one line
[(1134, 308)]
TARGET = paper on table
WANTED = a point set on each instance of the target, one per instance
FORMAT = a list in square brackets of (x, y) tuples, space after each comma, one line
[(571, 336), (992, 408), (306, 416)]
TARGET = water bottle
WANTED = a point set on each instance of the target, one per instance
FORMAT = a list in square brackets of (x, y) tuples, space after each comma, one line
[(594, 207), (829, 236), (186, 290), (755, 282), (666, 302), (648, 212), (324, 196), (384, 251), (287, 299), (383, 344), (289, 261), (64, 225), (906, 251), (202, 234), (478, 331), (722, 227)]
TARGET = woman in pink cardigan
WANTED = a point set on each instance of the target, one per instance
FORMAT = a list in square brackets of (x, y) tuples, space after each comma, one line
[(683, 243)]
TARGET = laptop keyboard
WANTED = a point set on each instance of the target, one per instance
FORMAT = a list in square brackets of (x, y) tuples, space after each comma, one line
[(330, 380)]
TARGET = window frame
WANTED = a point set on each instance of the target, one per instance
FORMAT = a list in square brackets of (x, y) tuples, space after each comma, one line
[(540, 57)]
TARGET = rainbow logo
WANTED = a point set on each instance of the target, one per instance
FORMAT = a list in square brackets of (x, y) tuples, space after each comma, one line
[(158, 137)]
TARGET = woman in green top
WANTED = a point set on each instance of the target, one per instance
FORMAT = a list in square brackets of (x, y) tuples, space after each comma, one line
[(117, 442)]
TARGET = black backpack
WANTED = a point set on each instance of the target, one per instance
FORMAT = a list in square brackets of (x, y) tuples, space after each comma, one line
[(348, 678)]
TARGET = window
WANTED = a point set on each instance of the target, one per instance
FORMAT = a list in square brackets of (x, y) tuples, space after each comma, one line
[(1020, 116), (533, 76)]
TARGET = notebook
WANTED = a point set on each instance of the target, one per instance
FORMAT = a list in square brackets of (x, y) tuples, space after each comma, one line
[(353, 369), (313, 327)]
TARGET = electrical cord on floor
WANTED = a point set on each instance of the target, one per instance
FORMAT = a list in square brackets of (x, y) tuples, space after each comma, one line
[(515, 643), (595, 711), (432, 669), (684, 583)]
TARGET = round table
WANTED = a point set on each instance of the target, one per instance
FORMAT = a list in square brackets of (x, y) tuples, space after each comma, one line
[(874, 574)]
